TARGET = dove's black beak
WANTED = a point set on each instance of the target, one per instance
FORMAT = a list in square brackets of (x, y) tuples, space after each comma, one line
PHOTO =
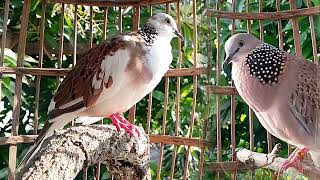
[(226, 62), (176, 32), (228, 59)]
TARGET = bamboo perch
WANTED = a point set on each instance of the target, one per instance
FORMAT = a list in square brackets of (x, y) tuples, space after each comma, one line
[(270, 161), (68, 151)]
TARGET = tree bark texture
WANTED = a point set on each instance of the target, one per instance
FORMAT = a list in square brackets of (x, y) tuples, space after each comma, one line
[(270, 161), (68, 151)]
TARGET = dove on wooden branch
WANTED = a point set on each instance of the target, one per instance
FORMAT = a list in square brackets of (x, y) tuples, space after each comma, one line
[(111, 77), (282, 89)]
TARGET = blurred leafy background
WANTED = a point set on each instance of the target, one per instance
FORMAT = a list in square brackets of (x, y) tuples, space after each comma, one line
[(206, 28)]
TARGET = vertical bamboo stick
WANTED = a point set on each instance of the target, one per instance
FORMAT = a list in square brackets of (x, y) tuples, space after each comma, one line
[(38, 78), (18, 87), (194, 92), (178, 94)]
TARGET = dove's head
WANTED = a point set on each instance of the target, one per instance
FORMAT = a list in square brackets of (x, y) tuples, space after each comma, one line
[(239, 44), (164, 25)]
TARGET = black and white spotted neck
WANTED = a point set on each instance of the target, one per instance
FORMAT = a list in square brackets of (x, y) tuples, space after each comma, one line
[(266, 63), (149, 34)]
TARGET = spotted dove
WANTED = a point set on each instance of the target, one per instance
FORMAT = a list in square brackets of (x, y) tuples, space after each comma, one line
[(282, 89), (111, 77)]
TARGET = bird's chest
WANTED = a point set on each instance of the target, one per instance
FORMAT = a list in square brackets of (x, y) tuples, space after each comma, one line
[(159, 57), (257, 95)]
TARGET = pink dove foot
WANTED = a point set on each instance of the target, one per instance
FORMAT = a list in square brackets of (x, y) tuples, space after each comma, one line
[(121, 123), (294, 160)]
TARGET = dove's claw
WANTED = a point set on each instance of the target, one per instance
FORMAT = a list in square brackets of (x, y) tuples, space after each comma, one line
[(121, 123), (294, 160)]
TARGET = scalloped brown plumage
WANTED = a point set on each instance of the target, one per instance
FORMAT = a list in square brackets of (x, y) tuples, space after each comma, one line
[(79, 80)]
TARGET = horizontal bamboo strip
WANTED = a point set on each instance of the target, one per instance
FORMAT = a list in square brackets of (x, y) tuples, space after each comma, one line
[(225, 166), (13, 140), (18, 139), (104, 3), (68, 49), (63, 72), (265, 15), (180, 140), (224, 90)]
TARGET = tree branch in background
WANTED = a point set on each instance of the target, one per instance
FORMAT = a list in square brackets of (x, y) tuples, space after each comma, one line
[(68, 151), (271, 161)]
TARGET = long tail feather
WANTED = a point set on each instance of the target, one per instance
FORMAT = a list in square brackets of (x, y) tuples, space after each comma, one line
[(47, 131), (37, 144)]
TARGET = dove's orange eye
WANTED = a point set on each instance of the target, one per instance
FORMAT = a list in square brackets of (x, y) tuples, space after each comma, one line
[(241, 43)]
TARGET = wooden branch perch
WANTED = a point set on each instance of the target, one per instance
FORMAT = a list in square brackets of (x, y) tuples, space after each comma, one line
[(68, 151), (269, 161)]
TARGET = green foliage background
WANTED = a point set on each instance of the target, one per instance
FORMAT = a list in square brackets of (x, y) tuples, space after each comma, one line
[(206, 34)]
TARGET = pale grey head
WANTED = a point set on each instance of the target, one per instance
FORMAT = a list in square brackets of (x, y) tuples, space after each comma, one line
[(264, 61), (164, 25), (241, 43)]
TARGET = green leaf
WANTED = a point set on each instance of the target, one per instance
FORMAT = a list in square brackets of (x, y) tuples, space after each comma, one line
[(316, 2), (7, 94), (243, 117), (158, 95), (186, 90)]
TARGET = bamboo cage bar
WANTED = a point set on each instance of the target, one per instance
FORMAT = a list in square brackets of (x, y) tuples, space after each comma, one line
[(165, 112), (91, 27), (4, 33), (61, 40), (206, 121), (149, 113), (164, 121), (280, 44), (85, 170), (3, 39), (279, 26), (177, 115), (232, 105), (105, 23), (38, 78), (121, 3), (194, 88), (232, 100), (297, 43), (251, 113), (75, 34), (136, 18), (149, 98), (265, 15), (218, 115), (64, 71), (104, 37), (120, 19), (18, 88), (167, 139), (313, 35), (269, 136), (295, 28), (226, 166)]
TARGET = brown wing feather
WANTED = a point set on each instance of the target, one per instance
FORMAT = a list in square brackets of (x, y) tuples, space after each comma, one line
[(78, 82), (305, 99)]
